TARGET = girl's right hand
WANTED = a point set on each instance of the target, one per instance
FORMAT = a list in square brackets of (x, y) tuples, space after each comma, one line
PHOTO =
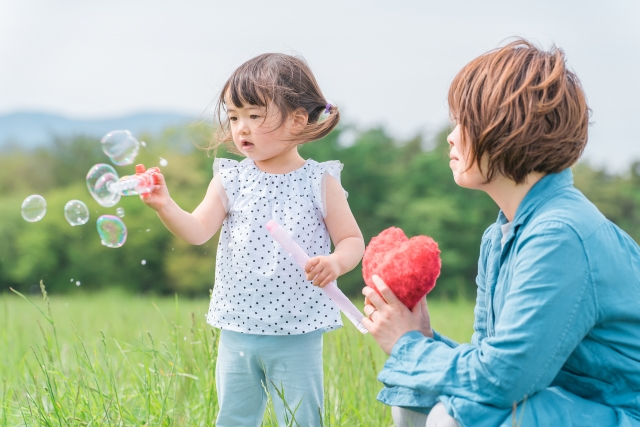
[(159, 197)]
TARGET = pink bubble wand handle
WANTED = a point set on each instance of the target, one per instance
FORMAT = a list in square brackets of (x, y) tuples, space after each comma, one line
[(331, 290)]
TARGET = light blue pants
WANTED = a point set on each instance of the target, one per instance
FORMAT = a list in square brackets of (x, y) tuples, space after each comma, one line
[(247, 364)]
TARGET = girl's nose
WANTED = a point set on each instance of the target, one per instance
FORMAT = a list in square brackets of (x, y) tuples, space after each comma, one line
[(243, 129)]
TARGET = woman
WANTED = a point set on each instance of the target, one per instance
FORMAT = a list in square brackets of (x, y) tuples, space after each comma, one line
[(557, 320)]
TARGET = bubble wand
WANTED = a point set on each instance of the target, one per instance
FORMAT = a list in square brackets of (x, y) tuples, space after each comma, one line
[(331, 290), (106, 186), (132, 185)]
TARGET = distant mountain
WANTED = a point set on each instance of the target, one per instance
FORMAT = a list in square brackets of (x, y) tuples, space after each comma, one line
[(32, 129)]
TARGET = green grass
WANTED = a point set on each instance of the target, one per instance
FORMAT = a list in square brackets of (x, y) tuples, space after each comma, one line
[(120, 360)]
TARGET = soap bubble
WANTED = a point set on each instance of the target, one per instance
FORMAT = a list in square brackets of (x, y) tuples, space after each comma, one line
[(120, 212), (76, 212), (33, 208), (112, 231), (72, 280), (120, 146), (78, 283), (163, 162), (99, 178), (143, 262)]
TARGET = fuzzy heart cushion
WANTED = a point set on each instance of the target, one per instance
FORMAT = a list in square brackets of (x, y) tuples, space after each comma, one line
[(409, 267)]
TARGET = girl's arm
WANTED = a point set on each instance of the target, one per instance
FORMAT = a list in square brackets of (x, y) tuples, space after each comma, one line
[(195, 228), (345, 235)]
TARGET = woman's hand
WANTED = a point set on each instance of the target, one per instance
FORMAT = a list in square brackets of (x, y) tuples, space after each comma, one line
[(388, 319), (322, 270), (159, 197)]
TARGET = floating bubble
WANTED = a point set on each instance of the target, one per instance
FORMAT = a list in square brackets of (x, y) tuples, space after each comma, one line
[(99, 178), (120, 212), (112, 231), (121, 147), (144, 144), (348, 137), (76, 212), (33, 208), (143, 262), (78, 283), (148, 230), (163, 162), (72, 280)]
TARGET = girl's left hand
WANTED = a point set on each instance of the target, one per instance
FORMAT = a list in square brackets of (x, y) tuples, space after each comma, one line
[(388, 319), (322, 270)]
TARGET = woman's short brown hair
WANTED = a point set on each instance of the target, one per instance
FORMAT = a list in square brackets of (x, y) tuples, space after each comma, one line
[(522, 109)]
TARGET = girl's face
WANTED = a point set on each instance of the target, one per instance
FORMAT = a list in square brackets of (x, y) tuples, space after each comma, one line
[(465, 174), (257, 133)]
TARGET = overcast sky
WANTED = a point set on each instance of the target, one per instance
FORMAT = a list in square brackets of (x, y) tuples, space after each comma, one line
[(383, 62)]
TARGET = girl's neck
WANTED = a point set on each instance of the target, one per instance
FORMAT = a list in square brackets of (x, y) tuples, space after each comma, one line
[(508, 195), (285, 162)]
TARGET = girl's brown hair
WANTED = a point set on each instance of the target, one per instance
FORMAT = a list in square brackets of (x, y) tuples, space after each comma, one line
[(281, 80), (521, 109)]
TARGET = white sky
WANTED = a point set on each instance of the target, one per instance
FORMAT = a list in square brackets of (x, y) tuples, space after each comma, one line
[(386, 63)]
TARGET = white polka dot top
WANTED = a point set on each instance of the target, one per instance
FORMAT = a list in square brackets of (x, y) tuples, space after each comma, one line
[(258, 288)]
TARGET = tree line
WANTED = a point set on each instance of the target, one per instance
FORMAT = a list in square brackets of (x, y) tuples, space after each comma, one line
[(390, 183)]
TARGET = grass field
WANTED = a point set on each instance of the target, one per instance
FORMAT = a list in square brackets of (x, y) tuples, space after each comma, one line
[(121, 360)]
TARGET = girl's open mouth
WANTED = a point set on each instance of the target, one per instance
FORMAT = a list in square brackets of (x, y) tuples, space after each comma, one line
[(246, 145)]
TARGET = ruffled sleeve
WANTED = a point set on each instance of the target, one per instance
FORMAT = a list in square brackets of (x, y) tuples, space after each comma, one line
[(323, 171), (227, 185)]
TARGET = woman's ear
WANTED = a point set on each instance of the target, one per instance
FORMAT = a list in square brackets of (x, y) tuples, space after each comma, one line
[(299, 119)]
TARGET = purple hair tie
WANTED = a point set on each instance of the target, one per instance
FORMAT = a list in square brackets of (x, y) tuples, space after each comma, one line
[(327, 109)]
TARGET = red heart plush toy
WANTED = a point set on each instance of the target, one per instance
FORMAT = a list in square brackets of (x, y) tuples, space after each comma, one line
[(409, 267)]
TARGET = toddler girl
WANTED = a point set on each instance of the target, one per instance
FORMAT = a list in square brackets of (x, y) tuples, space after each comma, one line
[(271, 319)]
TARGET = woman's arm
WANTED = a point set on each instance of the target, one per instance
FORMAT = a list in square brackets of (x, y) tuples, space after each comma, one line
[(548, 310), (195, 228), (345, 235)]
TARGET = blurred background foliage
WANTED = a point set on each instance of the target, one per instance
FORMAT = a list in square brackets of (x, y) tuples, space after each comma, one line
[(390, 183)]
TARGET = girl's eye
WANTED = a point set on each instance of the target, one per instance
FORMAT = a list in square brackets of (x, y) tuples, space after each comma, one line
[(253, 116), (233, 119)]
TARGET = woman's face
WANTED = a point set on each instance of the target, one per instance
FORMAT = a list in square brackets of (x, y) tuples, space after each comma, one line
[(465, 174)]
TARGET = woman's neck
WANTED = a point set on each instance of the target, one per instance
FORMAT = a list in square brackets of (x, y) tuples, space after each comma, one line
[(508, 195)]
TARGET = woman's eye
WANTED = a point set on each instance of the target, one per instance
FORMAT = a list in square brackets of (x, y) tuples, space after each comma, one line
[(253, 116)]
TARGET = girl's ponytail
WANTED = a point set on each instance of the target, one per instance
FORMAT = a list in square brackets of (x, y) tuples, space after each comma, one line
[(321, 122)]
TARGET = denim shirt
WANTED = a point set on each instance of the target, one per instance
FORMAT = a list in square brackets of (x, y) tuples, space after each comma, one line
[(558, 305)]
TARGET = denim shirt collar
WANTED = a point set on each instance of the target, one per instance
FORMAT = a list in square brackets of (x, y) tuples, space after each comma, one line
[(538, 194)]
